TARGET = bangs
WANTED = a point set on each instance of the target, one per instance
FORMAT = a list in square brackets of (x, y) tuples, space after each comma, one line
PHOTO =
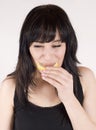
[(43, 25), (44, 29)]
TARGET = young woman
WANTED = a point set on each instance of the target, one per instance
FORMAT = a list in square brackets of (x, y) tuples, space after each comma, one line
[(48, 91)]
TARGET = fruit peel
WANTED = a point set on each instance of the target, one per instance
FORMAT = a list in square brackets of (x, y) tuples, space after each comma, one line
[(40, 67)]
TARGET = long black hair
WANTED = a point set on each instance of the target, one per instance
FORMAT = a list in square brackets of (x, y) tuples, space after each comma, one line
[(41, 24)]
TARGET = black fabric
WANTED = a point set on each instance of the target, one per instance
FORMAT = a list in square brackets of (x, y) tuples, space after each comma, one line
[(33, 117)]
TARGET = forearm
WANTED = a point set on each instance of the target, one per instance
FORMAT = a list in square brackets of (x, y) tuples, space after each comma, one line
[(77, 115)]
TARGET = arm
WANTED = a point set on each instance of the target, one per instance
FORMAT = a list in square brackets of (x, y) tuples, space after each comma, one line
[(84, 117), (6, 105)]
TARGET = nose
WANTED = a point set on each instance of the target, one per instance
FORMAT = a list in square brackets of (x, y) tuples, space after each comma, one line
[(47, 57), (48, 54)]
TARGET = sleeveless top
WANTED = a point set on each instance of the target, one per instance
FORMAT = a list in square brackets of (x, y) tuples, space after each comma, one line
[(34, 117)]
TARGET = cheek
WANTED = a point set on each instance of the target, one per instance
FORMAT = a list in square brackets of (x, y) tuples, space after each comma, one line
[(35, 55), (60, 56), (61, 53)]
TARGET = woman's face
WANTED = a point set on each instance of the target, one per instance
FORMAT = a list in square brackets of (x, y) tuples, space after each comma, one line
[(47, 54)]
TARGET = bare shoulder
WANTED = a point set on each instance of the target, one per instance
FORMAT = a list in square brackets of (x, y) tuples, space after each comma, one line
[(87, 78), (7, 88), (88, 81), (86, 73)]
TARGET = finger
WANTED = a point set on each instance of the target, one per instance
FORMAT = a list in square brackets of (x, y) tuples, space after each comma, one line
[(55, 74), (60, 79), (52, 82), (58, 69)]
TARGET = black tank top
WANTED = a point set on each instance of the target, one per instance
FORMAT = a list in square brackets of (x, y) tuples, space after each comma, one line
[(33, 117)]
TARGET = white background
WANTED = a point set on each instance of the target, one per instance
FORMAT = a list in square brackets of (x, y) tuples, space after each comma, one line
[(82, 14)]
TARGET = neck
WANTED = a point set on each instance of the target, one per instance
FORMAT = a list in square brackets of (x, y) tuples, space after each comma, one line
[(43, 89)]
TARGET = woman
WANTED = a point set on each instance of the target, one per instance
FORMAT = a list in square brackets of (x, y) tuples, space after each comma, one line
[(48, 91)]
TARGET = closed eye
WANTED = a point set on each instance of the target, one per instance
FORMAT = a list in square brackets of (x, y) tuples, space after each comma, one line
[(38, 46), (56, 46)]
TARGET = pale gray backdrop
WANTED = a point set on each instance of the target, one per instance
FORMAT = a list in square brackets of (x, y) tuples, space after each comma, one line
[(12, 13)]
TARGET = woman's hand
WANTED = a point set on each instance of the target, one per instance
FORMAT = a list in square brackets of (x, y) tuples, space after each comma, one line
[(61, 79)]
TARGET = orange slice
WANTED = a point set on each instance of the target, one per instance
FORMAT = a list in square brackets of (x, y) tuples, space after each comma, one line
[(40, 67)]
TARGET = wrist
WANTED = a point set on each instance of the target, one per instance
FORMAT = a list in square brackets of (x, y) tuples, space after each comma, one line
[(69, 100)]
